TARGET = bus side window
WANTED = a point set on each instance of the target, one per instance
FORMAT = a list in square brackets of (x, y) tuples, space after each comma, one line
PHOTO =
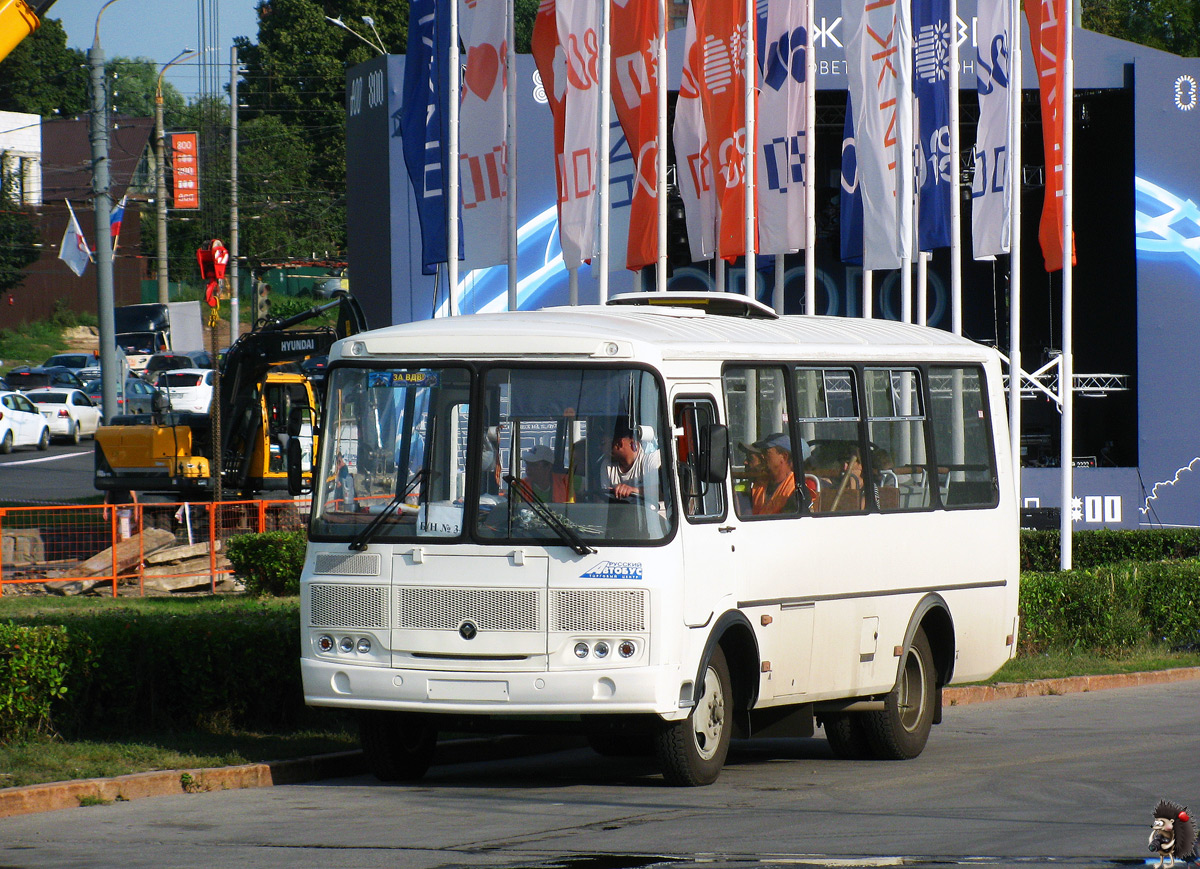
[(962, 438), (896, 424), (701, 500), (827, 412), (767, 462)]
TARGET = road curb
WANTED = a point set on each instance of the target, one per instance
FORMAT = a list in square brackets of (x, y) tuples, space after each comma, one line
[(67, 795)]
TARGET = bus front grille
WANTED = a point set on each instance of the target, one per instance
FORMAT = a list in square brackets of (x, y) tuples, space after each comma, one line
[(490, 609), (347, 564), (596, 610), (349, 606)]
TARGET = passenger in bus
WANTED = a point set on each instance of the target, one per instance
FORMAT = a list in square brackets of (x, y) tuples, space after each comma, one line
[(753, 480), (779, 494), (850, 495), (624, 469), (540, 480)]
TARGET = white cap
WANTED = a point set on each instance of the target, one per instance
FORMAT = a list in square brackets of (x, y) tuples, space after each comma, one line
[(539, 453)]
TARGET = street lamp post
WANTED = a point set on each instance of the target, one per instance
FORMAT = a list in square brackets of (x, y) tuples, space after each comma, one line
[(102, 208), (160, 180)]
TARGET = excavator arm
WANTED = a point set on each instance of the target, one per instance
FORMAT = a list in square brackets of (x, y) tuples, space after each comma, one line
[(18, 19)]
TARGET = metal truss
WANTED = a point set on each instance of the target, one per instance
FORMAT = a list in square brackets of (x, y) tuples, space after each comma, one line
[(1044, 381)]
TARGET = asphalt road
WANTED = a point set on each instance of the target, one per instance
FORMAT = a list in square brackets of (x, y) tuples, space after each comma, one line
[(60, 474), (1070, 780)]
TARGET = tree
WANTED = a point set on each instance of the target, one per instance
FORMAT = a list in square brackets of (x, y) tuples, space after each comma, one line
[(19, 238), (44, 77), (132, 85), (1169, 25)]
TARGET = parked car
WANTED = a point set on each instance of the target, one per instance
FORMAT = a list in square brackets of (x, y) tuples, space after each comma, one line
[(137, 396), (160, 362), (25, 378), (20, 423), (76, 362), (69, 412), (188, 389)]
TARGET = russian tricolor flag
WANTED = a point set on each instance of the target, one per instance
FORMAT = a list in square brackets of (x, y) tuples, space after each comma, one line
[(114, 223)]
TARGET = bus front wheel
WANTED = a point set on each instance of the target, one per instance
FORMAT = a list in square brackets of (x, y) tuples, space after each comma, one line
[(397, 746), (847, 735), (691, 752), (901, 730)]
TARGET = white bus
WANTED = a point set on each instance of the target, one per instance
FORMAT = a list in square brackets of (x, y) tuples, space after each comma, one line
[(664, 523)]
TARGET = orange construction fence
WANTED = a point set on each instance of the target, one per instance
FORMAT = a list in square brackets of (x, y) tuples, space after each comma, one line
[(133, 548)]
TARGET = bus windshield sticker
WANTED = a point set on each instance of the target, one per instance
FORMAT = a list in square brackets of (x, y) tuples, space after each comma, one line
[(387, 379), (615, 570)]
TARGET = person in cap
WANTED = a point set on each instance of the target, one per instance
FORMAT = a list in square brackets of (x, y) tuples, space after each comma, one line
[(624, 469), (778, 495), (752, 480), (540, 479)]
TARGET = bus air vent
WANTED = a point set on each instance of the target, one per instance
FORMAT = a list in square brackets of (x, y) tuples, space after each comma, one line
[(489, 609), (599, 610), (347, 564), (349, 606)]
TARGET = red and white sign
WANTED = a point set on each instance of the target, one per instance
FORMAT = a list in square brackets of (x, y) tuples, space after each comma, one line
[(692, 157), (185, 170)]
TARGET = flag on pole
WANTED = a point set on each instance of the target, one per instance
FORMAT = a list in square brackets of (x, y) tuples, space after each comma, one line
[(636, 32), (73, 249), (879, 69), (566, 50), (723, 38), (483, 121), (423, 120), (991, 187), (932, 88), (692, 156), (850, 198), (780, 128), (1047, 37), (114, 222)]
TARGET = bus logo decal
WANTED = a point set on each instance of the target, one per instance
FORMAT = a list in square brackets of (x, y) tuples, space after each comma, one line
[(615, 570)]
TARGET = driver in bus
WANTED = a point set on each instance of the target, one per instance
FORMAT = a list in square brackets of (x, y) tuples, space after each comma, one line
[(625, 467)]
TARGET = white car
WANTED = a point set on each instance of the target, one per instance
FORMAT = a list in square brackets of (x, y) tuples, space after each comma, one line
[(69, 412), (20, 423), (189, 389)]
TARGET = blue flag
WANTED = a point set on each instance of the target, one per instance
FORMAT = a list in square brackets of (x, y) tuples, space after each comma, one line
[(932, 86), (423, 124), (850, 198)]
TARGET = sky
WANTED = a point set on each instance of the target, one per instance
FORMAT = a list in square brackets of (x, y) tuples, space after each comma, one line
[(159, 30)]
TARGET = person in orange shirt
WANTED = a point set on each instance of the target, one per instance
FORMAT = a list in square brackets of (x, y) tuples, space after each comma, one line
[(778, 495), (540, 479)]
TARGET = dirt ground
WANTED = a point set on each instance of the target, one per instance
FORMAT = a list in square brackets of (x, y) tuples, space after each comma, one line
[(85, 339)]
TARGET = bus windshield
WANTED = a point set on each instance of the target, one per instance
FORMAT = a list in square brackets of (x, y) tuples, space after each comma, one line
[(560, 456)]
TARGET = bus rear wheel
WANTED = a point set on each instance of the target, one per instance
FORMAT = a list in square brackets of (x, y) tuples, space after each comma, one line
[(397, 746), (691, 752), (901, 730), (847, 735)]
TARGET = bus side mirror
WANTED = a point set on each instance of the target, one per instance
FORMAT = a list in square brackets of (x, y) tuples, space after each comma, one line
[(295, 468), (714, 452)]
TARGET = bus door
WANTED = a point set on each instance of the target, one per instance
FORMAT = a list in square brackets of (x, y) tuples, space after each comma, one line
[(708, 544)]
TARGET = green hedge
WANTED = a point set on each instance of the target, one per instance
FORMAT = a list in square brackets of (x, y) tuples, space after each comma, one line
[(268, 563), (127, 671), (1040, 549), (33, 670)]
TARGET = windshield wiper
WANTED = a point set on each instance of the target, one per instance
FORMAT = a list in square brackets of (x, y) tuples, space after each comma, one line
[(360, 541), (548, 516)]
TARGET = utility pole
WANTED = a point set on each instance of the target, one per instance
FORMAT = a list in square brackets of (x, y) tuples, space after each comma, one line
[(234, 326), (160, 180), (102, 205)]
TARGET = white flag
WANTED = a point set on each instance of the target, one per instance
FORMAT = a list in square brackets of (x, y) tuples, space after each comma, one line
[(781, 174), (990, 186), (692, 157), (879, 68), (73, 249), (575, 62), (483, 120)]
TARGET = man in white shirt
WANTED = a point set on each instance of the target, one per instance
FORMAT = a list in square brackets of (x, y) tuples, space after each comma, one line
[(627, 464)]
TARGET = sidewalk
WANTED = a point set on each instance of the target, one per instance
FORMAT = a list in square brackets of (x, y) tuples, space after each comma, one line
[(72, 794)]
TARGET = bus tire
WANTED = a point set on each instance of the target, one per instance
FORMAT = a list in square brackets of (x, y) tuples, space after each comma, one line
[(691, 752), (397, 746), (847, 735), (901, 730)]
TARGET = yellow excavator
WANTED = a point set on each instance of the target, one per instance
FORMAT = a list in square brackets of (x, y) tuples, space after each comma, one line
[(262, 385), (18, 19)]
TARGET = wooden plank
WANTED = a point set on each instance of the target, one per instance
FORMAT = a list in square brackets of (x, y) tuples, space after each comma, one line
[(128, 553)]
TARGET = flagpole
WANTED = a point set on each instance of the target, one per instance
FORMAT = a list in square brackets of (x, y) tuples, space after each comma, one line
[(661, 148), (751, 148), (602, 255), (777, 288), (452, 169), (868, 295), (510, 157), (1066, 374), (923, 287), (955, 180), (1015, 74), (810, 163)]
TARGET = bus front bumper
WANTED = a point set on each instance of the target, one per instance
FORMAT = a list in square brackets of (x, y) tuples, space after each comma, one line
[(662, 691)]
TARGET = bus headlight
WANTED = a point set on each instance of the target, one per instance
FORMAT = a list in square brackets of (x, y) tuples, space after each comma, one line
[(364, 646), (581, 650), (346, 644), (601, 649)]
